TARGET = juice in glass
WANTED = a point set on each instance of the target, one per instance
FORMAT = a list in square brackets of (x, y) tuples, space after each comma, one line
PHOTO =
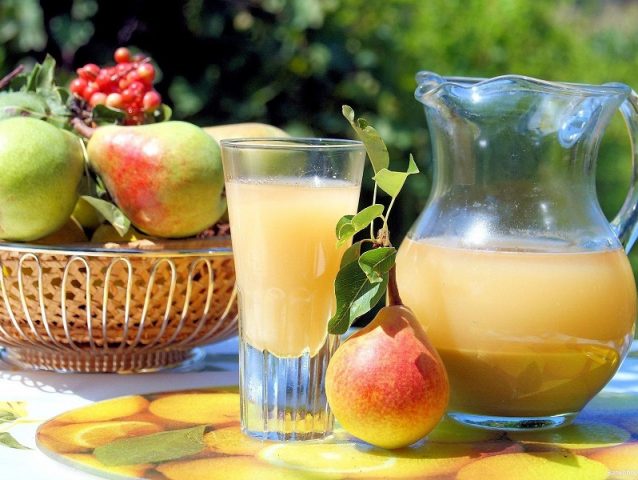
[(285, 198), (287, 259), (522, 333)]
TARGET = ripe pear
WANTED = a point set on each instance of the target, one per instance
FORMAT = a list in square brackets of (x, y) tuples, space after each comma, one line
[(387, 384), (41, 168), (84, 212), (248, 129), (166, 177), (106, 233), (86, 215), (70, 232)]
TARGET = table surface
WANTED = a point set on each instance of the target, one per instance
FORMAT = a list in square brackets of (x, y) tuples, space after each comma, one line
[(46, 394)]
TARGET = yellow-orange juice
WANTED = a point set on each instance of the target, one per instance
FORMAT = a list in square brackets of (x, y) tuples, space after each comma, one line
[(286, 259), (522, 333)]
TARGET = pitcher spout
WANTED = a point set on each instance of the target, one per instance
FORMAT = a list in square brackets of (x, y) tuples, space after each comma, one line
[(426, 83)]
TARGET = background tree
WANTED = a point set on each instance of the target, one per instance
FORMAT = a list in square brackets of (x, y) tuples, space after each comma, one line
[(293, 63)]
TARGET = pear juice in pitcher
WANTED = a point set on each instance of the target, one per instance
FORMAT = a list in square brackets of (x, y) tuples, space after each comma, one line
[(520, 280), (522, 333)]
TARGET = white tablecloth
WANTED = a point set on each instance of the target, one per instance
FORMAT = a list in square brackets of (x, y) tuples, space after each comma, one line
[(48, 394)]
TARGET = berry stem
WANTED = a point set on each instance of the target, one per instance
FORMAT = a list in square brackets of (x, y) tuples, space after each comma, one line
[(4, 81), (82, 128)]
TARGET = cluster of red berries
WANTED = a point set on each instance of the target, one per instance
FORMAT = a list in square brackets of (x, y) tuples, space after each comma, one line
[(126, 86)]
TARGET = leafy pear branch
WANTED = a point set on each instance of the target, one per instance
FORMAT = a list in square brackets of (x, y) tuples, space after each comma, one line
[(365, 276)]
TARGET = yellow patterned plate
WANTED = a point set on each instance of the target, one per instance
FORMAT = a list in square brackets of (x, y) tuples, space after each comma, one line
[(195, 435)]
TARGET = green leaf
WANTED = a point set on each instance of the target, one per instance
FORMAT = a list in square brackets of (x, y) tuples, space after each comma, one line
[(9, 440), (103, 115), (45, 79), (375, 146), (13, 409), (349, 225), (32, 78), (363, 218), (100, 188), (344, 227), (356, 296), (157, 447), (377, 262), (351, 254), (48, 101), (111, 213), (63, 93), (27, 104), (348, 112), (163, 113), (392, 182), (7, 112), (7, 416)]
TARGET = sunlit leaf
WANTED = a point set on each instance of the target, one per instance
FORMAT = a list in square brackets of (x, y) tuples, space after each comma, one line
[(377, 262), (377, 151), (344, 228), (45, 79), (349, 225), (351, 254), (356, 296), (111, 213), (392, 182), (103, 115), (153, 448)]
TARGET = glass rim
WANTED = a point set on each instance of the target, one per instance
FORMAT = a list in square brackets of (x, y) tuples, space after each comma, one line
[(292, 143)]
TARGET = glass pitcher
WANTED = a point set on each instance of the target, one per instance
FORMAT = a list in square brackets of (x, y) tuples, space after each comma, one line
[(519, 280)]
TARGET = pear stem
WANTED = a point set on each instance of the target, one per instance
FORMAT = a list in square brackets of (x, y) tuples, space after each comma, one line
[(4, 81), (393, 290), (82, 128)]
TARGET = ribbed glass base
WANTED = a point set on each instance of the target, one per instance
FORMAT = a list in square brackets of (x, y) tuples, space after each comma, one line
[(284, 398)]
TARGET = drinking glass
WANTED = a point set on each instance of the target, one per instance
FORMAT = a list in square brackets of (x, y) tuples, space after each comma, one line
[(285, 197)]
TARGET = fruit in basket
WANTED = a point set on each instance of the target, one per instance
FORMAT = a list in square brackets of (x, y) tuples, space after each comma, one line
[(106, 233), (126, 86), (70, 232), (87, 216), (166, 177), (386, 384), (41, 168), (239, 130)]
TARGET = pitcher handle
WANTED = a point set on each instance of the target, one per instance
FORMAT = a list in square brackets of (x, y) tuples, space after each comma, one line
[(625, 222)]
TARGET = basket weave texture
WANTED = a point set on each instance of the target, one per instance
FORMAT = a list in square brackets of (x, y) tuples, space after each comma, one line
[(115, 310)]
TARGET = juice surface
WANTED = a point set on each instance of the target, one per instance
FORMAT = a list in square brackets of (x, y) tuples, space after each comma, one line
[(286, 259), (522, 333)]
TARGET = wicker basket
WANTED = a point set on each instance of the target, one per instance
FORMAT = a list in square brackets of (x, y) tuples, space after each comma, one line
[(97, 309)]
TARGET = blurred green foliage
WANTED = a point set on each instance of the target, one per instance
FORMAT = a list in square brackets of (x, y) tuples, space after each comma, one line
[(293, 63)]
